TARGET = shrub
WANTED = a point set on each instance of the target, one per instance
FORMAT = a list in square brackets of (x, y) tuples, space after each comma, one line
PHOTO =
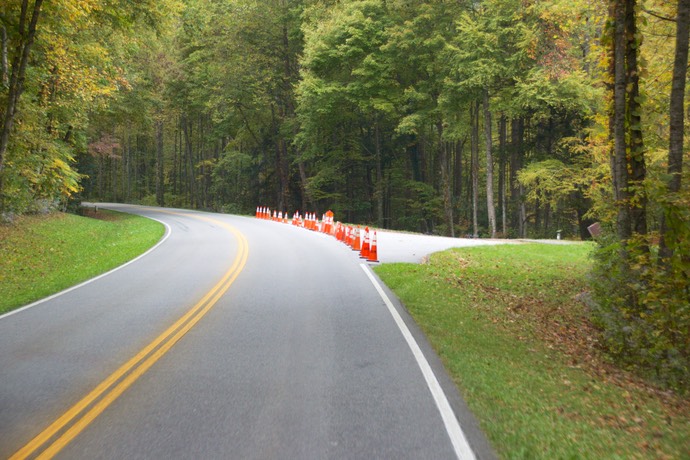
[(643, 309)]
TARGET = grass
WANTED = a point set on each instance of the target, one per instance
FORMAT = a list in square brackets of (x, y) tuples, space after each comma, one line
[(42, 255), (508, 324)]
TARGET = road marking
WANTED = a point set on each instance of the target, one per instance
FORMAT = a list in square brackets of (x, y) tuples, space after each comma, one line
[(75, 419), (457, 437), (102, 275)]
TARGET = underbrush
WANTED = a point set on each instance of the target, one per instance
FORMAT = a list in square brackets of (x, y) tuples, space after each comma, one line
[(643, 308)]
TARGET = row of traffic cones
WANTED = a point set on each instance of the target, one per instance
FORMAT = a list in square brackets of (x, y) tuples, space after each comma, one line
[(265, 213), (362, 241)]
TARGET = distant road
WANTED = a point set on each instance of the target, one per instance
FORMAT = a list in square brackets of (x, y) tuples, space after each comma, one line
[(234, 338)]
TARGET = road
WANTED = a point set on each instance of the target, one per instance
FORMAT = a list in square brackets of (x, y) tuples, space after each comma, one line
[(233, 338)]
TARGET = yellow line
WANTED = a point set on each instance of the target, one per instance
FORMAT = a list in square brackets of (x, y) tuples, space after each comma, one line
[(167, 338)]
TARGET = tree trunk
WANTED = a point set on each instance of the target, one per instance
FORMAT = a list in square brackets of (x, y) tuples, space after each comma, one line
[(101, 175), (379, 176), (627, 160), (474, 121), (16, 86), (189, 164), (303, 183), (619, 160), (175, 171), (281, 160), (4, 63), (491, 210), (135, 163), (638, 168), (458, 170), (125, 173), (522, 213), (676, 126), (502, 135), (446, 184), (160, 190), (517, 130)]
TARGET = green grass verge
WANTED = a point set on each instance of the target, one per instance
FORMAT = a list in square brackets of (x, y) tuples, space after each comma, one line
[(42, 255), (507, 324)]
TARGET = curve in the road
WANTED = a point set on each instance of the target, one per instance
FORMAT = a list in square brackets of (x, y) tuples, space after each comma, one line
[(95, 278), (298, 360), (79, 416)]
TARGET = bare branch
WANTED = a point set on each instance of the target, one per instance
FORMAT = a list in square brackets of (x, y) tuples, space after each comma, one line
[(657, 15)]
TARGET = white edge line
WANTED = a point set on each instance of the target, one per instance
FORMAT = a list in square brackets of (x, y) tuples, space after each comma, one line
[(102, 275), (457, 437)]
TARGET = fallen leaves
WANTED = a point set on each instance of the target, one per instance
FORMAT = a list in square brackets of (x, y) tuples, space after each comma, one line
[(560, 322)]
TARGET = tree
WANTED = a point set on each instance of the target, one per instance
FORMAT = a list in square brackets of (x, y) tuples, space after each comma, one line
[(641, 294), (26, 34), (345, 100), (79, 52), (628, 169), (670, 220)]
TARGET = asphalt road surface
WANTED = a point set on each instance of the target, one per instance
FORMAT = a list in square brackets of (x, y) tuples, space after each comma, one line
[(233, 338)]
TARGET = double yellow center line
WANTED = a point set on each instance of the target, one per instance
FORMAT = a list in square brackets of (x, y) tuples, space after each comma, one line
[(61, 432)]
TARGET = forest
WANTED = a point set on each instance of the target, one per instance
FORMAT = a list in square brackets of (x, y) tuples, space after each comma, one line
[(472, 118)]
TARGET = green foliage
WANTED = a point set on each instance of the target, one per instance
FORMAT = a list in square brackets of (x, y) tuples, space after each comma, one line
[(78, 67), (642, 291), (422, 203), (541, 95), (550, 181), (39, 167)]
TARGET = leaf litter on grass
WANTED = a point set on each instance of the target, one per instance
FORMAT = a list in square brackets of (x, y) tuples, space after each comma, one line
[(544, 307)]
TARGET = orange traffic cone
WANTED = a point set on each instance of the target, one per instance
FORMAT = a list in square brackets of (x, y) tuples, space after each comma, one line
[(357, 246), (364, 253), (373, 250), (346, 236), (329, 222)]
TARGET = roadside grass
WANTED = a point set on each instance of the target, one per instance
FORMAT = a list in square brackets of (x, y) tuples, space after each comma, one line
[(42, 255), (509, 326)]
